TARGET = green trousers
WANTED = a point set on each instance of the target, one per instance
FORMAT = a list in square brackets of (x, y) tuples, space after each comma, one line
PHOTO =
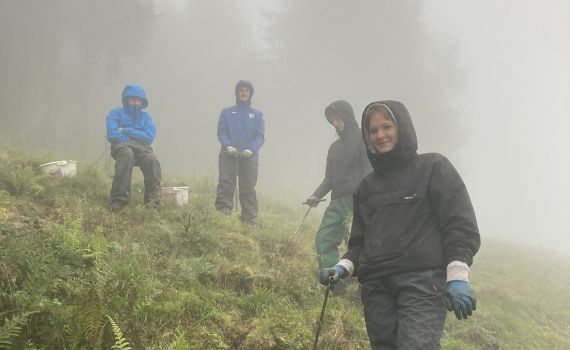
[(333, 230)]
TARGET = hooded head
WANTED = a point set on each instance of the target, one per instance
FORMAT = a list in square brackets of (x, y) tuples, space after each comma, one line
[(406, 143), (247, 84), (344, 111), (134, 91)]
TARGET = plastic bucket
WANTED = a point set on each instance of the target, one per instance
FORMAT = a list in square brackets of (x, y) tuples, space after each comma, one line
[(179, 195), (60, 168)]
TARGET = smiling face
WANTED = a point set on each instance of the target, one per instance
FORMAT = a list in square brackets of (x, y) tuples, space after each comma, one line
[(244, 94), (383, 132)]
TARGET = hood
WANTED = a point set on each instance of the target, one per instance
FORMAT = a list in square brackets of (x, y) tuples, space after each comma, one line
[(407, 145), (136, 91), (344, 110), (249, 85)]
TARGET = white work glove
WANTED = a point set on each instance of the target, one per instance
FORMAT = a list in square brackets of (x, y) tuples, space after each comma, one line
[(247, 153), (231, 150), (122, 130)]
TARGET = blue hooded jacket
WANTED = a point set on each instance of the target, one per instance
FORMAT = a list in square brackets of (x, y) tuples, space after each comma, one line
[(242, 126), (135, 125)]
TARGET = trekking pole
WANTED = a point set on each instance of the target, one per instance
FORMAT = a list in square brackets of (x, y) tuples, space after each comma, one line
[(237, 185), (321, 318), (295, 234)]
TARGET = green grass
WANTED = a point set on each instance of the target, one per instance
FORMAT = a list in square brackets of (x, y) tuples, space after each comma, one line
[(191, 278)]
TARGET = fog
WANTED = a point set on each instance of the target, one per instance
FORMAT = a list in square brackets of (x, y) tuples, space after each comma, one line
[(487, 84)]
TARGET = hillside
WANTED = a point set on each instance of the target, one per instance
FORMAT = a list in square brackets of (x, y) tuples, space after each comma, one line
[(75, 276)]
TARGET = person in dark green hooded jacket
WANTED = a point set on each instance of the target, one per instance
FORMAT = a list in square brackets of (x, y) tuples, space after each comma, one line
[(347, 165)]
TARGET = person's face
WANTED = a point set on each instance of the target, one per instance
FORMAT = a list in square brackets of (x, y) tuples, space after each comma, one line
[(337, 122), (134, 101), (383, 132), (244, 94)]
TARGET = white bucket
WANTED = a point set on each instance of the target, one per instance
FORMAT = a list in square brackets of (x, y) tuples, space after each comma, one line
[(176, 194), (60, 168)]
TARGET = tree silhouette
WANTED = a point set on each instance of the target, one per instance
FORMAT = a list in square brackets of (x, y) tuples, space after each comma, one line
[(54, 56), (365, 51)]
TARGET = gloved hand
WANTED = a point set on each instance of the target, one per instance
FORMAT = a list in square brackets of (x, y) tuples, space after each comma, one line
[(332, 274), (231, 150), (312, 201), (122, 130), (247, 153), (462, 299)]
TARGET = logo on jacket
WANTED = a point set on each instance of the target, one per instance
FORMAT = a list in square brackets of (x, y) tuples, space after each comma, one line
[(409, 198), (251, 115)]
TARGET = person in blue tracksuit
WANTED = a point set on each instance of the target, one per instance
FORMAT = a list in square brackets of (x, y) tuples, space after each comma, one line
[(131, 131), (241, 133)]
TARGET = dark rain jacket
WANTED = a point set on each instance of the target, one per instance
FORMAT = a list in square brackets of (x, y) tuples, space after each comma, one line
[(135, 125), (347, 163), (413, 212), (242, 126)]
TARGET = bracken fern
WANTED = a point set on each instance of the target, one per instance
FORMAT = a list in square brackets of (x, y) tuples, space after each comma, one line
[(179, 343), (92, 319), (97, 249), (12, 329), (121, 342), (67, 235)]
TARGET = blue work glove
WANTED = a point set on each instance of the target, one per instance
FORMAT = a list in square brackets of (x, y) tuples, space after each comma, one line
[(332, 274), (462, 299)]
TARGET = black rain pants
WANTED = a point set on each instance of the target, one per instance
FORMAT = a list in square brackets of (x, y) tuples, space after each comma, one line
[(246, 171), (405, 311), (127, 155)]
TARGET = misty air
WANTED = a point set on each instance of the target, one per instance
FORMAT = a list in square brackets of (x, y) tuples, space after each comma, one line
[(289, 174)]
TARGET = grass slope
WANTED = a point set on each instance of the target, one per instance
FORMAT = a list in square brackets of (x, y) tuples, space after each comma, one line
[(74, 276)]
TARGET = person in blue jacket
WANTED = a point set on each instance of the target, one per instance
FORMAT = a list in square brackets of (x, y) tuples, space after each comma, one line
[(241, 130), (130, 130)]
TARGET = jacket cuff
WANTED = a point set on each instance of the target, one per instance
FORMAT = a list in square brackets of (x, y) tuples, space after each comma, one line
[(348, 265), (457, 271)]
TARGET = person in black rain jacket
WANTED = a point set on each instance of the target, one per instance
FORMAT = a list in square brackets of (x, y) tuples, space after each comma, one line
[(413, 230)]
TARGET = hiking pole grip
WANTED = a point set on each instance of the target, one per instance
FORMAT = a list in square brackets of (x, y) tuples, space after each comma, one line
[(315, 344), (320, 200)]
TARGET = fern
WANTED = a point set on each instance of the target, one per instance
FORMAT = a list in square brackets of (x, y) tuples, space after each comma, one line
[(97, 249), (12, 329), (68, 234), (101, 276), (179, 343), (92, 319), (121, 342)]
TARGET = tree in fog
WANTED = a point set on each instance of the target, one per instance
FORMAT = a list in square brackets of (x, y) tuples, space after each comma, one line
[(198, 53), (364, 51), (56, 56)]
